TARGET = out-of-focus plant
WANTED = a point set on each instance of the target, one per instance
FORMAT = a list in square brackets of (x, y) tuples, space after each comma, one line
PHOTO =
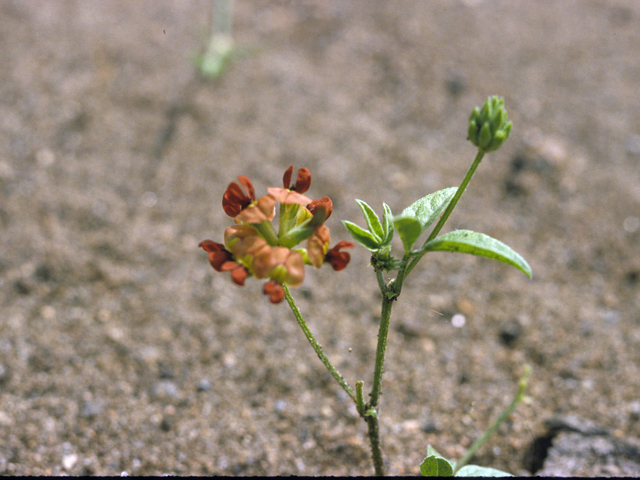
[(220, 49)]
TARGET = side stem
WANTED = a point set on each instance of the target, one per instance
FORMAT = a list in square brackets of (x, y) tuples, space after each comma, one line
[(316, 346), (450, 207)]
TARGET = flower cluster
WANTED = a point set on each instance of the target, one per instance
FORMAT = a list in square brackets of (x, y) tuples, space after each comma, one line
[(252, 247)]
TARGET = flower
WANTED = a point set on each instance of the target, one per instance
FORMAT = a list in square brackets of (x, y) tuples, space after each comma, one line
[(235, 200), (218, 255), (253, 248), (261, 211), (274, 290), (303, 180), (317, 245), (321, 208), (222, 261), (338, 259), (280, 264)]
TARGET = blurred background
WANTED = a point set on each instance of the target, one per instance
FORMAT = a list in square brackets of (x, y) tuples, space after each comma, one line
[(122, 350)]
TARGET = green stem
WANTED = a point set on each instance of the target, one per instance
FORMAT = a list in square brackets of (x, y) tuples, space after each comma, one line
[(374, 437), (503, 416), (316, 346), (383, 333), (450, 207)]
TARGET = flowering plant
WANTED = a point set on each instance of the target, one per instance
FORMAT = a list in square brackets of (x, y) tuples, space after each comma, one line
[(253, 248)]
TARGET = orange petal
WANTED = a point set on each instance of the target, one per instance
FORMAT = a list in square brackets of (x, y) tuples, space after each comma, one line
[(288, 197)]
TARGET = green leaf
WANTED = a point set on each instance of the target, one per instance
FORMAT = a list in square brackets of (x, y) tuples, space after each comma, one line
[(476, 471), (466, 241), (409, 230), (362, 236), (387, 225), (373, 222), (436, 466), (428, 208)]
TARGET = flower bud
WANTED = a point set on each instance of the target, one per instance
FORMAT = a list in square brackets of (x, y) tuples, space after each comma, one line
[(489, 127)]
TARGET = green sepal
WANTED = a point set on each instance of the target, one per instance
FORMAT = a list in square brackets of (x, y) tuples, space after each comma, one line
[(428, 209), (362, 236), (484, 137), (466, 241), (409, 230), (373, 222)]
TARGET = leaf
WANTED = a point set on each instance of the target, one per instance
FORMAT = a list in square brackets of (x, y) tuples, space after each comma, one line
[(373, 222), (466, 241), (409, 230), (436, 466), (476, 471), (387, 225), (362, 236), (428, 208)]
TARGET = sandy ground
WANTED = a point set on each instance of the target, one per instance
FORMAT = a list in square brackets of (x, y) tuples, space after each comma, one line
[(122, 350)]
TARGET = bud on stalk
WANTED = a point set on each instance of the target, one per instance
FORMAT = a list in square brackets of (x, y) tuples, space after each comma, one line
[(489, 127)]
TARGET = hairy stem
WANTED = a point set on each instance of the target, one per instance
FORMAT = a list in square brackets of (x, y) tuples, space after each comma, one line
[(316, 346), (383, 333), (374, 438)]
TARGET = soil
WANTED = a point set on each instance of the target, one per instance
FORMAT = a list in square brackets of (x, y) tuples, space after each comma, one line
[(121, 349)]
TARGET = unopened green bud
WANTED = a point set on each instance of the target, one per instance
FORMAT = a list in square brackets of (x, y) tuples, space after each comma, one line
[(489, 126)]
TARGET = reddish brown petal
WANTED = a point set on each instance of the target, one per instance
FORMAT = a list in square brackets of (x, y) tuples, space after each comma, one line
[(303, 181), (238, 272), (217, 259), (248, 186), (235, 200), (217, 253), (338, 259), (324, 203), (210, 246), (286, 180), (274, 290)]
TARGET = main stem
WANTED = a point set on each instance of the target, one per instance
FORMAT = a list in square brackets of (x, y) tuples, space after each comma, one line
[(389, 294)]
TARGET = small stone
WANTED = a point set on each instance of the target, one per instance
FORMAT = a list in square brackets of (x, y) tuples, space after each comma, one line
[(90, 410), (204, 385), (509, 333), (165, 389), (68, 461), (166, 424)]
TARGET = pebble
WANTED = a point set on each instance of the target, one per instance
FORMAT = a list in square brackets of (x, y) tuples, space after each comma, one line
[(204, 385), (90, 410), (69, 461), (165, 389)]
